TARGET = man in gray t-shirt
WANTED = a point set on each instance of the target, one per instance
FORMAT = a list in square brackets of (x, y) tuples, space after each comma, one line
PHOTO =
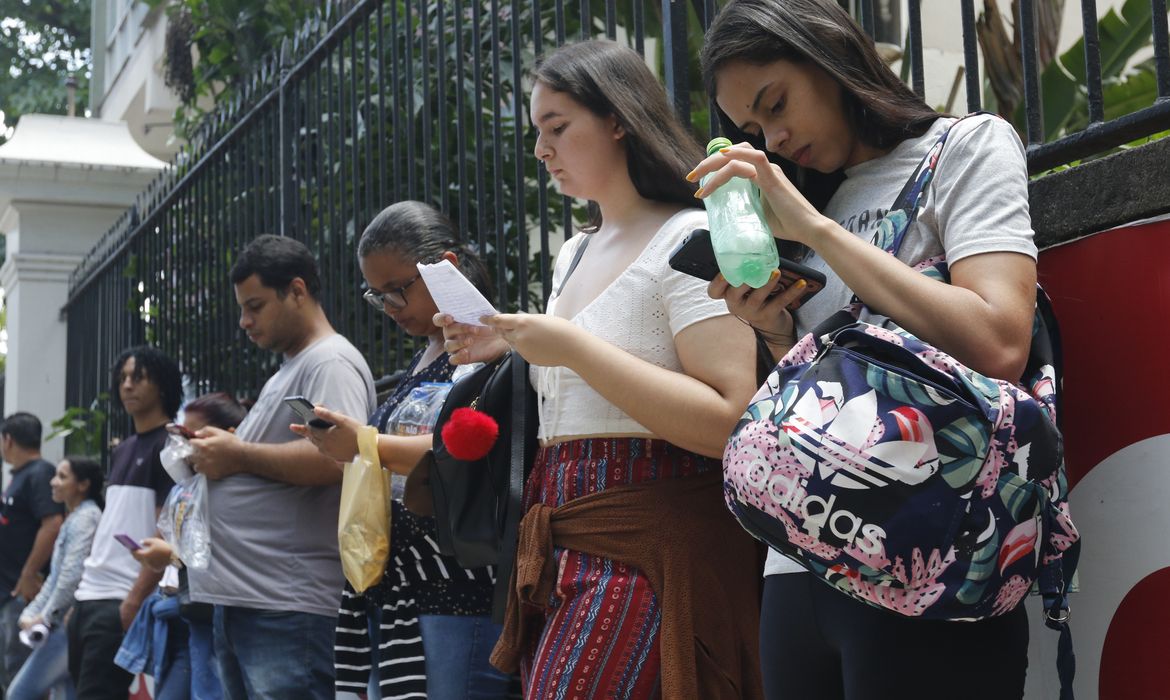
[(275, 577)]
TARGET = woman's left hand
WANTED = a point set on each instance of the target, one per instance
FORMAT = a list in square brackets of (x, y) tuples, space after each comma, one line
[(155, 554), (789, 214), (541, 339), (339, 442)]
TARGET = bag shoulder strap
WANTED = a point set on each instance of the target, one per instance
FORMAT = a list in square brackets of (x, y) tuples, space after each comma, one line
[(573, 265), (513, 502), (906, 207)]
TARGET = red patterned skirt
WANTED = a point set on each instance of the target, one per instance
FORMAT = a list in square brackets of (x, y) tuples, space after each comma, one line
[(601, 630)]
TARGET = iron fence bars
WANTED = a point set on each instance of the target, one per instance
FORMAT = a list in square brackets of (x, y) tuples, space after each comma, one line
[(1092, 61), (674, 40), (917, 73), (971, 57), (1100, 132), (1161, 47), (377, 101), (1029, 55)]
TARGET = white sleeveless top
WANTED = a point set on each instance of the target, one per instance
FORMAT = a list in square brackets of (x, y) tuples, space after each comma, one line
[(640, 312)]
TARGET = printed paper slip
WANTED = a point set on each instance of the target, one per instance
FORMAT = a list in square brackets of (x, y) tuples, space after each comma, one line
[(454, 294)]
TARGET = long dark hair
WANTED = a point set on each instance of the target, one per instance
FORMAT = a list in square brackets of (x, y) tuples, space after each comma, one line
[(420, 233), (86, 469), (610, 79), (879, 107)]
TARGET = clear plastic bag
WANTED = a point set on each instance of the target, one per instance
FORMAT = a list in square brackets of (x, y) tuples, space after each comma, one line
[(183, 522), (416, 414), (363, 522), (174, 458)]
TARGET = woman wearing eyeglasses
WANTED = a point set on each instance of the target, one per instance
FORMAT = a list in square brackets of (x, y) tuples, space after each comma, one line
[(423, 594)]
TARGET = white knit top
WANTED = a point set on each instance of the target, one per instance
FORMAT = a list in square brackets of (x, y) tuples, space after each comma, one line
[(640, 312)]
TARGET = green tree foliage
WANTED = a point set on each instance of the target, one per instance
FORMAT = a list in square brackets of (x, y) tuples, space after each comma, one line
[(42, 44), (215, 46)]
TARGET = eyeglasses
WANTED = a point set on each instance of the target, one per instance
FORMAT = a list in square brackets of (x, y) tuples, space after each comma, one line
[(395, 298)]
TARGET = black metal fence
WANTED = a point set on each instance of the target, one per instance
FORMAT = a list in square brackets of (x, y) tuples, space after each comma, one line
[(377, 101)]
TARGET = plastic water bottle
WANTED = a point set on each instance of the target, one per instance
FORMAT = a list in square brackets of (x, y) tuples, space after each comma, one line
[(744, 248)]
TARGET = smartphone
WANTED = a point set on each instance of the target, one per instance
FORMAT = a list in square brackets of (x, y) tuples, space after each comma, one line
[(304, 408), (128, 542), (695, 257), (180, 430)]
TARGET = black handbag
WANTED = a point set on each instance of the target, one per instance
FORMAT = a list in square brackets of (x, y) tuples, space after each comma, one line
[(477, 505), (470, 499)]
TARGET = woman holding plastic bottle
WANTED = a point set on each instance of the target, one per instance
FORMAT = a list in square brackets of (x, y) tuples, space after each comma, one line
[(77, 484), (800, 80), (428, 622), (650, 588)]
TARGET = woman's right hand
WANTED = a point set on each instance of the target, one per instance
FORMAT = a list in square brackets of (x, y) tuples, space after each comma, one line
[(759, 308), (468, 344), (338, 442)]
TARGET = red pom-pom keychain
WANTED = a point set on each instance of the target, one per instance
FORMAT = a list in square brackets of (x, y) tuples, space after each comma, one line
[(469, 434)]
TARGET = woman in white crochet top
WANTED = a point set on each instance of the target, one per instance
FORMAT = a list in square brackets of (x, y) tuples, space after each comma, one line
[(630, 363)]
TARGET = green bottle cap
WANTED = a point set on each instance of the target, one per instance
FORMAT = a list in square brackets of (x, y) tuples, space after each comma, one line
[(716, 143)]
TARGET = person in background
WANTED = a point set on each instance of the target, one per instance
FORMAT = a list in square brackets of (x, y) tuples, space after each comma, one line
[(189, 668), (147, 384), (29, 522), (77, 485), (428, 623), (275, 575)]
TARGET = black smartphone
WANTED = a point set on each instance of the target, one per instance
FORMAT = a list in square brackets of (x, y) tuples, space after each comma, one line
[(695, 257), (304, 408)]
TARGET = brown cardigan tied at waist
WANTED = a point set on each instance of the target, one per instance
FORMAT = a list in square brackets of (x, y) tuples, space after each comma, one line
[(702, 566)]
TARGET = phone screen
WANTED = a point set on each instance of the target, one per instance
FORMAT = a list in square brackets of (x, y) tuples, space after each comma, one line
[(304, 408)]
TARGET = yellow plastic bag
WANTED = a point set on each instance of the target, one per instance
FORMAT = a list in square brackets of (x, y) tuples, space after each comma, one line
[(363, 524)]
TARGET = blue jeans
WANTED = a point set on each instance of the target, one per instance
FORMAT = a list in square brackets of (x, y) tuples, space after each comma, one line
[(47, 668), (175, 681), (205, 683), (457, 649), (271, 654), (12, 651)]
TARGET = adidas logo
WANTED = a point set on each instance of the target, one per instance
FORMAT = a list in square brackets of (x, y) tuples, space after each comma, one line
[(818, 514), (839, 452)]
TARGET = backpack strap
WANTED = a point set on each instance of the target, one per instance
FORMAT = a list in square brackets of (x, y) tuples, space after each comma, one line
[(573, 265), (513, 504), (908, 204)]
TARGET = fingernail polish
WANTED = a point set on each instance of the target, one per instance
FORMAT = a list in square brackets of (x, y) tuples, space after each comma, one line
[(724, 150), (774, 275), (691, 176), (800, 284), (699, 193)]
